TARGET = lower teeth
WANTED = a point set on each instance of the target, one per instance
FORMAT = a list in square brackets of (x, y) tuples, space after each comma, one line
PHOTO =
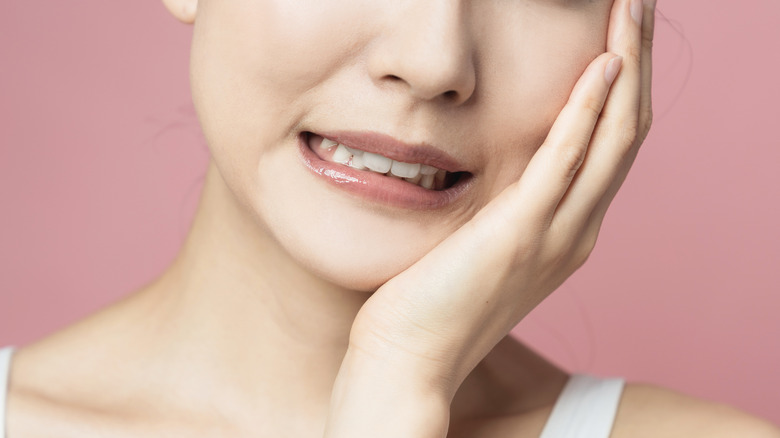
[(430, 182)]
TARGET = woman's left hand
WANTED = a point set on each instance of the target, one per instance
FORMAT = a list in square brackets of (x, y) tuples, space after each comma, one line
[(417, 338)]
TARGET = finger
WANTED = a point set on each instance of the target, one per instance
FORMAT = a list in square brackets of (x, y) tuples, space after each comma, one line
[(625, 39), (615, 135), (645, 115), (646, 105)]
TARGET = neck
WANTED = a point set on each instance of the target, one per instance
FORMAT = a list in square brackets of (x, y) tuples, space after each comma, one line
[(236, 304)]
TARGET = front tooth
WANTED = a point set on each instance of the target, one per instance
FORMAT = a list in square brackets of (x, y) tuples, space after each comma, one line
[(341, 155), (376, 162), (327, 143), (405, 170), (357, 162), (427, 181), (354, 152), (428, 170)]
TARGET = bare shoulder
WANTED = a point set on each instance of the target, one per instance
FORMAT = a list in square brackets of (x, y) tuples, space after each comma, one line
[(651, 411)]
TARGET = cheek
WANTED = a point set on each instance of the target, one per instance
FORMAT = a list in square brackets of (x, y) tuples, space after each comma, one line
[(252, 63), (541, 52)]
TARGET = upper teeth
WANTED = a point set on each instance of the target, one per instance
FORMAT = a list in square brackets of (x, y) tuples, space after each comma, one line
[(415, 173)]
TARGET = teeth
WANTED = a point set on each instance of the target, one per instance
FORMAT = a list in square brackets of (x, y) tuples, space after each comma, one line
[(427, 181), (423, 175), (355, 152), (428, 170), (327, 144), (414, 180), (405, 170), (341, 155), (357, 162), (376, 162)]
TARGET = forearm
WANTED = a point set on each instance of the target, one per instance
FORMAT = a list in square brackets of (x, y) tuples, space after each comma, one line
[(381, 398)]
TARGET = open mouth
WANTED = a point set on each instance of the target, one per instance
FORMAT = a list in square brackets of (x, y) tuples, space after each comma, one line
[(423, 175)]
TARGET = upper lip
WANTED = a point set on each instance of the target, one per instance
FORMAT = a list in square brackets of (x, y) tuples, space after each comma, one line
[(395, 149)]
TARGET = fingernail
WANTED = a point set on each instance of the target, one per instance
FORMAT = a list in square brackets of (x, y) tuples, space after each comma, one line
[(636, 11), (613, 67)]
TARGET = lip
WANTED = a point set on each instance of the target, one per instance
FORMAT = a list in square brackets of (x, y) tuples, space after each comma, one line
[(379, 188)]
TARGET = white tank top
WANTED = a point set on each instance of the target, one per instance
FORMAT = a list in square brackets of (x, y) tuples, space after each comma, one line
[(585, 408), (5, 371)]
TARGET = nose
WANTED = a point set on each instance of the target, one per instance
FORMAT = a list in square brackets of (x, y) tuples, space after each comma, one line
[(425, 48)]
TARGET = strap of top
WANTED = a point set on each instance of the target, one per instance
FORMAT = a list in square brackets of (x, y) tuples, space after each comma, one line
[(5, 371), (585, 409)]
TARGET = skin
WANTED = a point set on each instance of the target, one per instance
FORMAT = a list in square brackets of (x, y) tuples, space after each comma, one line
[(285, 306)]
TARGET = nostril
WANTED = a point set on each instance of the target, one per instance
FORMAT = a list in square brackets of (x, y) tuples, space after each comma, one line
[(451, 94)]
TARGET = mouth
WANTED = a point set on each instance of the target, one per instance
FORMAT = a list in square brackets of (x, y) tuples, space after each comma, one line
[(381, 169), (423, 175)]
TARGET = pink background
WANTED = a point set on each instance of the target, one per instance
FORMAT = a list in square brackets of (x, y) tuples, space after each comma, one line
[(101, 160)]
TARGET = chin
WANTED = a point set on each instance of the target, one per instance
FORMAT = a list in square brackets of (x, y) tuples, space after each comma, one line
[(366, 276), (338, 254), (337, 237), (342, 255)]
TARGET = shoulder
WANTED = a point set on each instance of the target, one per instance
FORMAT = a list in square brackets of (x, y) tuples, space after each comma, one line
[(40, 400), (651, 411)]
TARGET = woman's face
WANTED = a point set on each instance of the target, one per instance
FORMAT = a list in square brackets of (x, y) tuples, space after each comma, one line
[(481, 81)]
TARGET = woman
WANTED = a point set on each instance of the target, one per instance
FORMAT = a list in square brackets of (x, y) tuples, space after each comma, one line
[(317, 297)]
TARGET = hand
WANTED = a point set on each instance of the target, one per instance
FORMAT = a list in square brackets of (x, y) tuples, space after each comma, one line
[(417, 338)]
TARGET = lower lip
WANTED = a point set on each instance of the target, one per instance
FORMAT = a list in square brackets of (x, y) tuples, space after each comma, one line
[(380, 188)]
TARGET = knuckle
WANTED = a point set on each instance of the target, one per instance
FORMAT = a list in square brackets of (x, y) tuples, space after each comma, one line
[(629, 130), (623, 133), (647, 117), (571, 157), (645, 123), (647, 41), (634, 53), (585, 247), (592, 105), (571, 247)]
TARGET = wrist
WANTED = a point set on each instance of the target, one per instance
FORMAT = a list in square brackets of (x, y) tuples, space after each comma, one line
[(378, 397), (398, 371)]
